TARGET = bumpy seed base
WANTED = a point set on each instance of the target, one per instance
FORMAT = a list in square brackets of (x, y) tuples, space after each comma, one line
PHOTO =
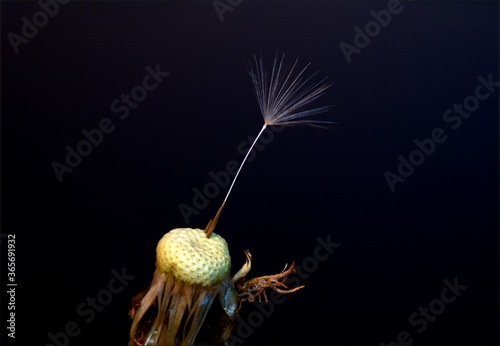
[(193, 258)]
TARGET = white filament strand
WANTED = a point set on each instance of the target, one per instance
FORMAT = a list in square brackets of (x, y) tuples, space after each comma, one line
[(243, 162)]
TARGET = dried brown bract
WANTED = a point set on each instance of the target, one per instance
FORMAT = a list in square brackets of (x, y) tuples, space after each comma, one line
[(256, 288)]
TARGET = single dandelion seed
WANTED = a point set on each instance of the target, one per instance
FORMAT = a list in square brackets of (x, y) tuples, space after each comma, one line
[(282, 99)]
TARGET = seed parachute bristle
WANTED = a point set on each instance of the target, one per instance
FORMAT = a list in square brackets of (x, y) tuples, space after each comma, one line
[(282, 97)]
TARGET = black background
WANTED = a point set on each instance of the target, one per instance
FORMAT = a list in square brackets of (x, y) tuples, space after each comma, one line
[(397, 247)]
